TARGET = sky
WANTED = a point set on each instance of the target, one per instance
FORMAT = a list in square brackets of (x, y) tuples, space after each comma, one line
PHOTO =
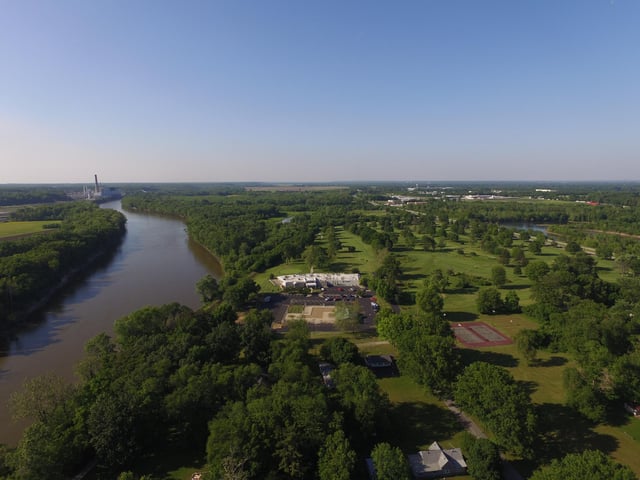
[(319, 90)]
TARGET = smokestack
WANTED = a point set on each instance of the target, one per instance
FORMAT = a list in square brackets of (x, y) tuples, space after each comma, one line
[(97, 186)]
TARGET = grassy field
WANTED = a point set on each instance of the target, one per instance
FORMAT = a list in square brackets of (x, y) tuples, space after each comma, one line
[(363, 258), (14, 229)]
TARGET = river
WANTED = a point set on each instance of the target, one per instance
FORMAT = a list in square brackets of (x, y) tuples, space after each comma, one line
[(156, 263)]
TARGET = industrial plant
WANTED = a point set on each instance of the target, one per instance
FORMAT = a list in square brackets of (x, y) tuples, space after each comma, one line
[(97, 192)]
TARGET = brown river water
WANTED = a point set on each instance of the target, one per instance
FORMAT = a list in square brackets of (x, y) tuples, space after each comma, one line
[(156, 263)]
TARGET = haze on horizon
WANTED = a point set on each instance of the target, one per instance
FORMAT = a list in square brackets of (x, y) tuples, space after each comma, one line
[(292, 91)]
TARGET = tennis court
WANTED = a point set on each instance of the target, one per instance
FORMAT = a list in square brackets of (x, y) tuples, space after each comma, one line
[(479, 334)]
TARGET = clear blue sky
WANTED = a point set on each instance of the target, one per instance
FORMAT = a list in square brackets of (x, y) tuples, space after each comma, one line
[(302, 90)]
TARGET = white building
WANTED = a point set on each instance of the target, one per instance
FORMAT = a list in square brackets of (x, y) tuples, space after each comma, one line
[(318, 280)]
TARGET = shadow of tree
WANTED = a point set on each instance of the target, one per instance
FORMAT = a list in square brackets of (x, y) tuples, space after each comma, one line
[(365, 333), (339, 267), (464, 290), (416, 424), (407, 277), (563, 430), (554, 361), (470, 355), (160, 464), (617, 416), (528, 386), (515, 287), (461, 316)]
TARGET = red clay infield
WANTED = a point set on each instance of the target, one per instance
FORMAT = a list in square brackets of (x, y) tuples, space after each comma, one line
[(479, 334)]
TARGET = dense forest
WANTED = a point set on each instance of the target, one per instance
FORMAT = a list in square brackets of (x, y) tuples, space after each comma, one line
[(31, 267), (31, 195), (220, 382)]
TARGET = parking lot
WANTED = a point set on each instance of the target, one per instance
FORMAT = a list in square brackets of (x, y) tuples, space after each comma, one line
[(279, 304)]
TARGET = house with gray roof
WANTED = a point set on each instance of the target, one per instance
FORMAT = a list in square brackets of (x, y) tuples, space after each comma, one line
[(437, 462)]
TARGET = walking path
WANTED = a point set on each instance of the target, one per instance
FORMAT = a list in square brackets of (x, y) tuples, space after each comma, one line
[(373, 344), (508, 470)]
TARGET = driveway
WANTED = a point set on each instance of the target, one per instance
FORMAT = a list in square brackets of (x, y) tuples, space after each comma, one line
[(508, 471)]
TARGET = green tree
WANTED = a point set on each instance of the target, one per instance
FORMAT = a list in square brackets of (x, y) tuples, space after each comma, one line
[(232, 439), (391, 325), (498, 276), (256, 336), (590, 464), (40, 397), (428, 243), (572, 247), (439, 280), (316, 257), (491, 393), (336, 459), (536, 270), (431, 360), (518, 256), (390, 463), (489, 300), (113, 429), (511, 302), (208, 289), (583, 396), (240, 292), (359, 394), (429, 300), (535, 247), (527, 343), (339, 350), (482, 457), (504, 257)]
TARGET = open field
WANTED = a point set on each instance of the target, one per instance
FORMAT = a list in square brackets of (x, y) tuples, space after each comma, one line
[(363, 258), (15, 229)]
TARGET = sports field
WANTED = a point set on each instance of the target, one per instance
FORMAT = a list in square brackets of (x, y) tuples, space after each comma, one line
[(479, 334)]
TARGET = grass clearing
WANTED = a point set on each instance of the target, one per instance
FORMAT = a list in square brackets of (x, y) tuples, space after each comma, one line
[(363, 258), (14, 229), (625, 441)]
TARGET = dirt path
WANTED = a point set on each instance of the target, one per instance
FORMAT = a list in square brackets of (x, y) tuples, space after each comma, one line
[(373, 344), (508, 470)]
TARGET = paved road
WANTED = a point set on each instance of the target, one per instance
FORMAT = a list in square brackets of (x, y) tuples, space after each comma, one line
[(508, 471)]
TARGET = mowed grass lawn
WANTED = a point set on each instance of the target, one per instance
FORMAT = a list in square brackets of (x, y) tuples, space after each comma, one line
[(363, 258), (13, 229)]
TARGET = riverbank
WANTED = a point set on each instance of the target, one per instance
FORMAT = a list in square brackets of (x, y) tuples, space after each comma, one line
[(215, 256), (155, 264), (19, 320)]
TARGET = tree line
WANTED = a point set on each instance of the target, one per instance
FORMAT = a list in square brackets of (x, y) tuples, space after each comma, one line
[(172, 378), (31, 267)]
